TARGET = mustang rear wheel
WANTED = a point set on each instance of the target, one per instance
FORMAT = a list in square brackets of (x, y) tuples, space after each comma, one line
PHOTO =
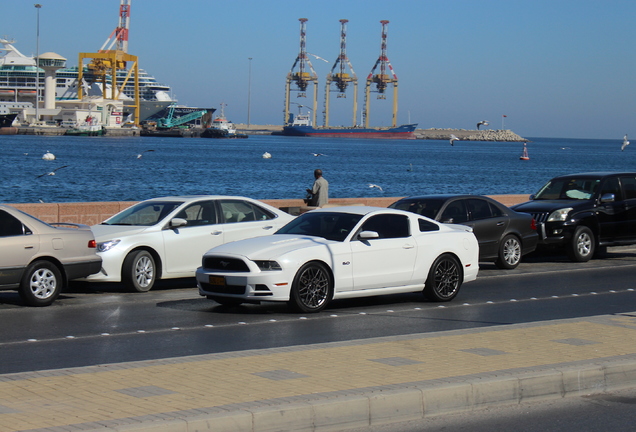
[(444, 279), (509, 253), (312, 288), (139, 271), (41, 284)]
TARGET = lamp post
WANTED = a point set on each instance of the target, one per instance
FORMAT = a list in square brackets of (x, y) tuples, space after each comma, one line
[(37, 63), (249, 90)]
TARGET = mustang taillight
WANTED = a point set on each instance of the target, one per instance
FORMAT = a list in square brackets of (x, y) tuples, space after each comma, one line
[(533, 224), (92, 244)]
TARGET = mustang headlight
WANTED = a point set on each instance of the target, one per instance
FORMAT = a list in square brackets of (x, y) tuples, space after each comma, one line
[(107, 245), (268, 265), (559, 215)]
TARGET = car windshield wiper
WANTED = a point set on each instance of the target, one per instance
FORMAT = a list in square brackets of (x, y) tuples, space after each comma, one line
[(122, 224)]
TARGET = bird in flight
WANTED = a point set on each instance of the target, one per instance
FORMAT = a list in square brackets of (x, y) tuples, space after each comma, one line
[(318, 154), (625, 143), (452, 140), (52, 172), (140, 155), (371, 185), (482, 123)]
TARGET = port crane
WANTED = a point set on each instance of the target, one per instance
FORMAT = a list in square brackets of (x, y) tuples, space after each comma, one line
[(107, 61), (381, 79), (341, 78), (303, 76)]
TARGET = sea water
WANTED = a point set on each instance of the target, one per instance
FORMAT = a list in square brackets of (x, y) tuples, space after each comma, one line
[(109, 169)]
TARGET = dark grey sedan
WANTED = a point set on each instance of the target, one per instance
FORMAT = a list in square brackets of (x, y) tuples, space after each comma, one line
[(504, 235)]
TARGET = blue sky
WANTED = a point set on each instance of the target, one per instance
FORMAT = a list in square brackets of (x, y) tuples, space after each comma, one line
[(555, 68)]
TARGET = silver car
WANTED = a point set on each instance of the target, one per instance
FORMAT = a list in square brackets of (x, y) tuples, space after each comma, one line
[(38, 259)]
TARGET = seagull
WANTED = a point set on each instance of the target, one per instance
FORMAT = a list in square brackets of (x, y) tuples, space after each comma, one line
[(482, 123), (267, 155), (140, 155), (52, 172), (453, 138), (48, 156), (371, 185), (318, 154), (625, 143)]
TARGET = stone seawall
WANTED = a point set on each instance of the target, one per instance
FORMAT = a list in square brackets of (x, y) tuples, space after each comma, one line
[(469, 135), (91, 213)]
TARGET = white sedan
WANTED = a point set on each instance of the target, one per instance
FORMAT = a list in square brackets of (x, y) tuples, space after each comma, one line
[(340, 253), (164, 238)]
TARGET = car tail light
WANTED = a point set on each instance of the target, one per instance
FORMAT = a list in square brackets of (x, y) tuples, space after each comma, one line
[(92, 244), (533, 224)]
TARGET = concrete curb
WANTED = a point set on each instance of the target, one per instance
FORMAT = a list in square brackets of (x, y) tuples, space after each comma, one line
[(410, 401)]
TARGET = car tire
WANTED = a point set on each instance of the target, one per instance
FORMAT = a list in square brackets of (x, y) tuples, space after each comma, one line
[(139, 271), (41, 283), (509, 253), (312, 288), (226, 301), (444, 279), (582, 245)]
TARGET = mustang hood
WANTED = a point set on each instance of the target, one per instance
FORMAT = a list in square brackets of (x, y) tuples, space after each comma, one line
[(269, 247)]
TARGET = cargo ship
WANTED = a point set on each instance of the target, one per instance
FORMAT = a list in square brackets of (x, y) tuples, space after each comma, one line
[(301, 126)]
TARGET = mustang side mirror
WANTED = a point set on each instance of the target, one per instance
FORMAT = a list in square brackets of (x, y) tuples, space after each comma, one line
[(368, 235)]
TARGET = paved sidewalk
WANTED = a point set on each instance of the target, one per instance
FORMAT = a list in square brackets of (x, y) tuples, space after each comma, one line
[(330, 386)]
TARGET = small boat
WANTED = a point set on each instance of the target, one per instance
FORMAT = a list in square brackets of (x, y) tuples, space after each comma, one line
[(222, 128), (524, 154), (89, 127)]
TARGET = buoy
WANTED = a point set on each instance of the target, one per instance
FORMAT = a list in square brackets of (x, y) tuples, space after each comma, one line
[(48, 156), (266, 155)]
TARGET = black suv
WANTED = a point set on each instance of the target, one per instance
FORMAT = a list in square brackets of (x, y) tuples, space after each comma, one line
[(585, 212)]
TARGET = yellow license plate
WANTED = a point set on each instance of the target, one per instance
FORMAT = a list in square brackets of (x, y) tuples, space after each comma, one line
[(217, 280)]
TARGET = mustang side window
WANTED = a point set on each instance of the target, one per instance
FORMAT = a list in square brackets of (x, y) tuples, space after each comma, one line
[(9, 225), (388, 226)]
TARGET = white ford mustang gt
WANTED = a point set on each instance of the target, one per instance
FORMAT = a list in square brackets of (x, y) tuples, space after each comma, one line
[(342, 252), (164, 238)]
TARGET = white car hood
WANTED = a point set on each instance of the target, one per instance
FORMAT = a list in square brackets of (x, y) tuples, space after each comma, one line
[(109, 232), (269, 247)]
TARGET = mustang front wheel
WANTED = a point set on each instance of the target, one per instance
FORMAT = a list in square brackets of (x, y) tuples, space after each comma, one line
[(444, 279), (312, 288)]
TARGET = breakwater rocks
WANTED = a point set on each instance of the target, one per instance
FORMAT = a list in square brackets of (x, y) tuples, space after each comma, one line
[(469, 135)]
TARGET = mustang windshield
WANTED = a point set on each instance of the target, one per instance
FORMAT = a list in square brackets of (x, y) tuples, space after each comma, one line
[(331, 226), (144, 213), (568, 189)]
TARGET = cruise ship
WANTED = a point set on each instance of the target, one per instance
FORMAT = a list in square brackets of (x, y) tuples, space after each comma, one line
[(18, 77)]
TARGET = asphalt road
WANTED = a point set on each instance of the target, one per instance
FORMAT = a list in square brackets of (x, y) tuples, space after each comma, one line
[(102, 323)]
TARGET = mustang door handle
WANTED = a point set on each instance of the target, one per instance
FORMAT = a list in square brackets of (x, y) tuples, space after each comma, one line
[(500, 223), (216, 232), (408, 246), (268, 227)]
